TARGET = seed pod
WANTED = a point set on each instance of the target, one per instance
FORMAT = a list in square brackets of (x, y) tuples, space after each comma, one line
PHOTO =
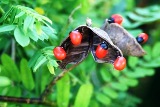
[(76, 53), (123, 39), (91, 38), (113, 51)]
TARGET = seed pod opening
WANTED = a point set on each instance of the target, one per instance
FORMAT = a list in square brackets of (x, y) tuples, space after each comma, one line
[(91, 37)]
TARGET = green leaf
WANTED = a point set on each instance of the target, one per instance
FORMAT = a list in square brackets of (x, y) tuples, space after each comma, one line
[(50, 33), (103, 98), (119, 86), (32, 35), (50, 48), (143, 11), (48, 26), (132, 61), (6, 28), (20, 14), (10, 67), (153, 63), (115, 73), (38, 27), (156, 50), (20, 37), (45, 36), (130, 25), (3, 104), (54, 63), (45, 77), (93, 103), (28, 23), (130, 74), (12, 18), (4, 81), (14, 91), (5, 2), (63, 91), (34, 58), (110, 92), (26, 75), (148, 50), (150, 72), (136, 17), (128, 81), (50, 68), (46, 19), (4, 17), (106, 75), (81, 101), (41, 60), (142, 72)]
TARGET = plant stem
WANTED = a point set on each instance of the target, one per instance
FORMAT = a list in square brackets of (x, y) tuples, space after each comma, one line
[(48, 89), (26, 100), (13, 49)]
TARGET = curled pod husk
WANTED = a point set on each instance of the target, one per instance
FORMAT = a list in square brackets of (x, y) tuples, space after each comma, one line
[(113, 51), (91, 37), (123, 39)]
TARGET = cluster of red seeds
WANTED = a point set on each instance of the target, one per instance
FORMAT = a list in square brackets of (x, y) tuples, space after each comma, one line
[(102, 49)]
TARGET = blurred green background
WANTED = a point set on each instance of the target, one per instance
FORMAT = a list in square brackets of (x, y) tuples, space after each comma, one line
[(136, 86)]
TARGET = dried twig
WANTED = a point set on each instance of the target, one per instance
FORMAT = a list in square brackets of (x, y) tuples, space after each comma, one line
[(26, 100)]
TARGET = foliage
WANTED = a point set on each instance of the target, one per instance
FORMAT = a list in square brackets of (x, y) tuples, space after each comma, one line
[(28, 38)]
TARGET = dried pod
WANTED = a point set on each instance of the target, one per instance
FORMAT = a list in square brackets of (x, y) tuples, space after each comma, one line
[(91, 37), (113, 51), (123, 39)]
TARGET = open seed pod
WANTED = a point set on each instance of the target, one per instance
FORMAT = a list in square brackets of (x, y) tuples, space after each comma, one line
[(123, 39), (113, 51), (91, 37), (75, 54)]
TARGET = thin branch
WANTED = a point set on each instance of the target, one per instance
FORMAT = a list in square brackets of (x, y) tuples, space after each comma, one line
[(26, 100), (48, 89), (69, 21), (13, 49)]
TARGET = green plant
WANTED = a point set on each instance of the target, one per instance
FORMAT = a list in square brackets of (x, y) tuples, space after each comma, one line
[(27, 38)]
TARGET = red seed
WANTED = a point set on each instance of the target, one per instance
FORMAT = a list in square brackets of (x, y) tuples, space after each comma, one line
[(120, 63), (75, 37), (117, 18), (144, 36), (101, 52), (59, 53)]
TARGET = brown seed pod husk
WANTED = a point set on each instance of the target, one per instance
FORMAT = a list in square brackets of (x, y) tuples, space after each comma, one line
[(123, 39), (91, 37), (113, 51)]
